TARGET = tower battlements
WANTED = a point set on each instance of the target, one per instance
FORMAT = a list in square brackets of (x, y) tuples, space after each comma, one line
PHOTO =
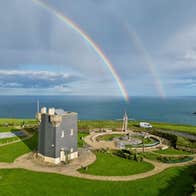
[(55, 120), (55, 115)]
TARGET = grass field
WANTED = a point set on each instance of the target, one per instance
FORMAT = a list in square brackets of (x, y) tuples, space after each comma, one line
[(10, 152), (151, 155), (108, 137), (175, 127), (80, 140), (22, 182), (17, 182), (172, 151), (135, 126), (111, 165), (8, 129), (11, 139), (87, 125), (17, 121)]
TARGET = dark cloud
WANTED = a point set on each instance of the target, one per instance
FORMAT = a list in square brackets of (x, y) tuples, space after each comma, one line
[(39, 80)]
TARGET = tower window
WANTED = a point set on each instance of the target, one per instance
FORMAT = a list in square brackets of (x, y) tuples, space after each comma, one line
[(71, 131), (62, 134)]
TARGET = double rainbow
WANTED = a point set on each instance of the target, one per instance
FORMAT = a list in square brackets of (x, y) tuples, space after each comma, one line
[(88, 39), (135, 39)]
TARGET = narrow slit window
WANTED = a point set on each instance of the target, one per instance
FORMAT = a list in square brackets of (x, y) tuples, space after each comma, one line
[(71, 132), (62, 134)]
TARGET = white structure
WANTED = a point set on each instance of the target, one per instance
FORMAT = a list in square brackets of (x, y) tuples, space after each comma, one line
[(125, 122), (145, 125)]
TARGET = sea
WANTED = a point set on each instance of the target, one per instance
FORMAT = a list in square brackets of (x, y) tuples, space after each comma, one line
[(177, 110)]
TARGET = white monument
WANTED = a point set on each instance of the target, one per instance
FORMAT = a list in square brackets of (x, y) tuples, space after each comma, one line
[(125, 122)]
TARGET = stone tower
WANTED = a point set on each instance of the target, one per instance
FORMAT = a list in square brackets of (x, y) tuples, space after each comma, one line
[(58, 132)]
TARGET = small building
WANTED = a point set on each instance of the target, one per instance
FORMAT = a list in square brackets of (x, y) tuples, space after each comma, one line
[(58, 132), (145, 125)]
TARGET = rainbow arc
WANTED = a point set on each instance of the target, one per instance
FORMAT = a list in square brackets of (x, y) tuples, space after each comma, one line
[(89, 40)]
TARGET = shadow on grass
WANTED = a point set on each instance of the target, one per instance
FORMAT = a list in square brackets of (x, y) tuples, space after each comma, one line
[(182, 183), (32, 142)]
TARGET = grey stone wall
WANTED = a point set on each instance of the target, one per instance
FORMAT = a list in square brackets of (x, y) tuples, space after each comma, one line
[(68, 141)]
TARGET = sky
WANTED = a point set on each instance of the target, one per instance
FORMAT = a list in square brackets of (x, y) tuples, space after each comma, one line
[(151, 44)]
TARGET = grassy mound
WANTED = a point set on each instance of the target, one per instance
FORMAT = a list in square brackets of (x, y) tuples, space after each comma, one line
[(8, 129), (111, 165)]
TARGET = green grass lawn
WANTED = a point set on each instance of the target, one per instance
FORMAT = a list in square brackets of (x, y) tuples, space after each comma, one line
[(11, 139), (10, 152), (90, 124), (16, 121), (8, 129), (175, 127), (172, 151), (108, 137), (80, 140), (85, 124), (151, 156), (111, 165), (17, 182)]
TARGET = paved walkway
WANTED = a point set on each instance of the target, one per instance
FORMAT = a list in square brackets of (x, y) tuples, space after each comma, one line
[(11, 134), (86, 158)]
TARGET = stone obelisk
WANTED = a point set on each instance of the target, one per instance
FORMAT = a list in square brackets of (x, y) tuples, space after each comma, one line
[(125, 122)]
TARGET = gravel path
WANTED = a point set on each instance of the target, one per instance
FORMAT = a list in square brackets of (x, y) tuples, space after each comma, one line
[(11, 134)]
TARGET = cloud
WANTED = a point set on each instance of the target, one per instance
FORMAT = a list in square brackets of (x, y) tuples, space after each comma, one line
[(42, 39), (35, 79)]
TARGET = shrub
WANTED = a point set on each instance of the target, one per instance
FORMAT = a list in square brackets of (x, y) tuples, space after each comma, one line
[(168, 136), (126, 154), (181, 141), (165, 159)]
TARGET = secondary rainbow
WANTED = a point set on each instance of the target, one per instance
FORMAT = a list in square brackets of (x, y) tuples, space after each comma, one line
[(88, 39), (146, 59)]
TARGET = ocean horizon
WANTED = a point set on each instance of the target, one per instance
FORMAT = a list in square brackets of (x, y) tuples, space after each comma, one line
[(177, 110)]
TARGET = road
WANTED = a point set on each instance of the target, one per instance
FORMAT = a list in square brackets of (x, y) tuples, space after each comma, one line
[(11, 134), (178, 133)]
